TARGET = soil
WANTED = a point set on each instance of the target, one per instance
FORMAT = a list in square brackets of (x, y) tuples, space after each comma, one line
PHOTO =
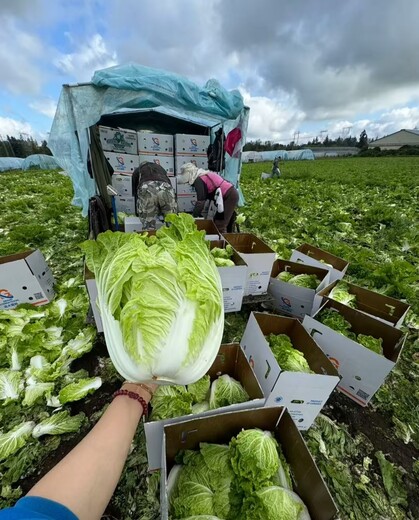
[(378, 429), (374, 425)]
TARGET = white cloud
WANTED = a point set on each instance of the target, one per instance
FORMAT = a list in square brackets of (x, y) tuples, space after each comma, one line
[(12, 127), (19, 56), (89, 56), (45, 106), (272, 119)]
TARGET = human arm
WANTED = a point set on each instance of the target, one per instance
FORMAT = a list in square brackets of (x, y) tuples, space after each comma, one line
[(201, 195), (86, 478)]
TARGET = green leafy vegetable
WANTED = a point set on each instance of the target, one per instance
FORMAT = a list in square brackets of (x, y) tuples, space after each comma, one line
[(273, 503), (288, 357), (58, 424), (200, 389), (170, 401), (255, 457), (200, 407), (310, 281), (14, 439), (393, 480), (225, 390), (222, 257), (11, 384), (341, 294), (337, 322), (34, 392), (79, 389), (161, 306), (371, 343)]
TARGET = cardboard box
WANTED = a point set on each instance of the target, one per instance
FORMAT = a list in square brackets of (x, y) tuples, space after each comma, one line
[(132, 224), (122, 162), (211, 230), (362, 371), (118, 140), (383, 308), (311, 255), (123, 184), (165, 161), (25, 278), (125, 204), (259, 258), (186, 203), (189, 144), (303, 394), (291, 299), (161, 144), (233, 280), (185, 188), (198, 161), (230, 360), (219, 429)]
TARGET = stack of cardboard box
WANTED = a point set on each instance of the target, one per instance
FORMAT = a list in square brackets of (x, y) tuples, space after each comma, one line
[(120, 150), (189, 148)]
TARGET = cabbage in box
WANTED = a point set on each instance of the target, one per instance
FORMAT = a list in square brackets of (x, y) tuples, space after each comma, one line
[(230, 360), (304, 394), (233, 279), (220, 429), (362, 370), (315, 256), (389, 310), (259, 258), (294, 286)]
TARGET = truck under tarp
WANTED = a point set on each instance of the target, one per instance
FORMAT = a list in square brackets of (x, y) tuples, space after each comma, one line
[(140, 98)]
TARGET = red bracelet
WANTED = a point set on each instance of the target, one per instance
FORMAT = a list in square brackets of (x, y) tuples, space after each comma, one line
[(133, 395)]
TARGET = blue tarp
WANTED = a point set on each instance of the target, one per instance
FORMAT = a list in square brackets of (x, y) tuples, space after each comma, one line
[(132, 87), (39, 162), (10, 163)]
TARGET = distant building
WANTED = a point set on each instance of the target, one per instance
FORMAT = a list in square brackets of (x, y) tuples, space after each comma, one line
[(397, 140)]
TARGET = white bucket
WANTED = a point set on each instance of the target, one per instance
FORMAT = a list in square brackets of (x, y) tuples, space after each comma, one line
[(265, 176)]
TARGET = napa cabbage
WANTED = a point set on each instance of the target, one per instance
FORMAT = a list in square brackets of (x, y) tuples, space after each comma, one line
[(341, 294), (226, 390), (309, 281), (58, 424), (288, 357), (161, 305)]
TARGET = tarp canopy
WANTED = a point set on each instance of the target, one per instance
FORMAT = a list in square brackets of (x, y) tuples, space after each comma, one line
[(133, 91), (39, 161), (10, 163)]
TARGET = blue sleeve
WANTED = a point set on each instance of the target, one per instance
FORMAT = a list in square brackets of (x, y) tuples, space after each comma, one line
[(37, 508)]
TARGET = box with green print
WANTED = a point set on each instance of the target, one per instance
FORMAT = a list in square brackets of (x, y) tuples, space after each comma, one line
[(304, 394), (362, 371), (296, 300)]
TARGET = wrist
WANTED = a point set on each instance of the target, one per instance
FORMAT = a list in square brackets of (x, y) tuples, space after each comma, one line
[(133, 387)]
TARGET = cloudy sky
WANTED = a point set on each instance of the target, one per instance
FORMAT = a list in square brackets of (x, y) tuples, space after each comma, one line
[(302, 66)]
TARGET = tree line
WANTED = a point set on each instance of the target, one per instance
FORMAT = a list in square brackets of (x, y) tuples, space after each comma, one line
[(22, 147), (259, 146)]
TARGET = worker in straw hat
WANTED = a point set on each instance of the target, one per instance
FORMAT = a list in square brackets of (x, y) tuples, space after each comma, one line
[(211, 186)]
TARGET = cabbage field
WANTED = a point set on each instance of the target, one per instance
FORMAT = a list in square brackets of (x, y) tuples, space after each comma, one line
[(362, 209)]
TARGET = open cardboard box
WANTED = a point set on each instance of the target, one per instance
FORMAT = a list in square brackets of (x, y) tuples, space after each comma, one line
[(308, 482), (230, 360), (259, 258), (211, 230), (303, 394), (291, 299), (311, 255), (386, 309), (25, 278), (362, 371), (233, 280)]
